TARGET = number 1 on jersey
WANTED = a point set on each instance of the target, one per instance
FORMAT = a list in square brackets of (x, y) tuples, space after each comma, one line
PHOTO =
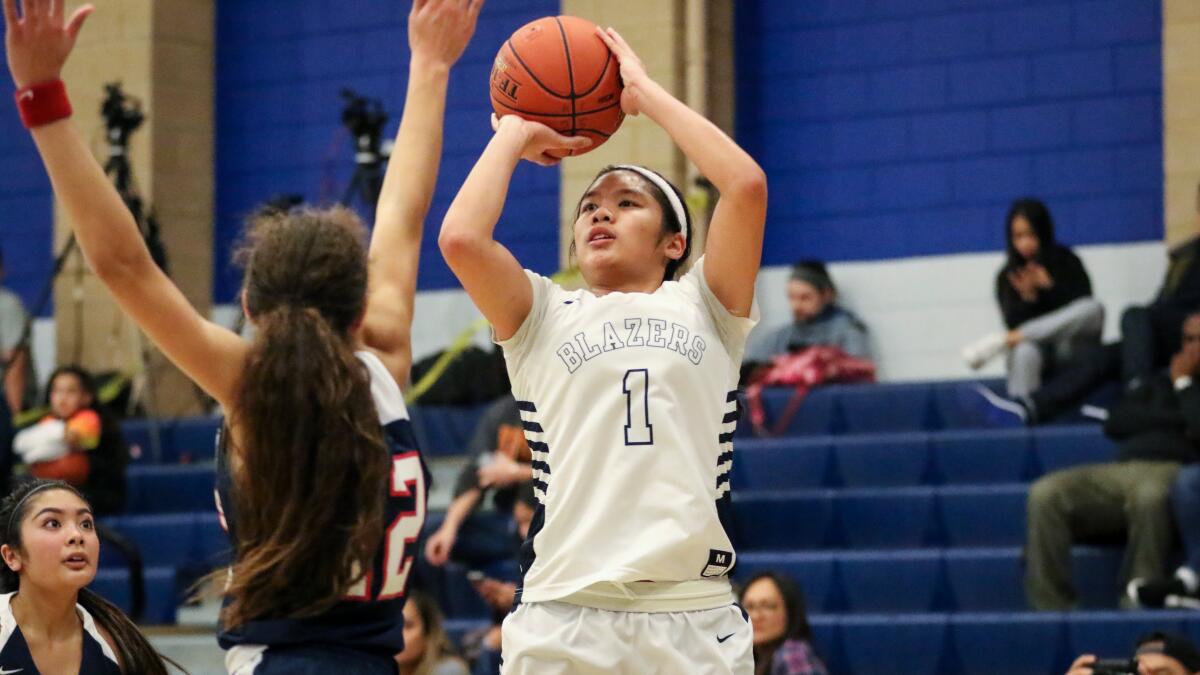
[(636, 385)]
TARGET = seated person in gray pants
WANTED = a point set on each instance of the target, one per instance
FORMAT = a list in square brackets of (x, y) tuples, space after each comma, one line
[(1157, 426), (1045, 298)]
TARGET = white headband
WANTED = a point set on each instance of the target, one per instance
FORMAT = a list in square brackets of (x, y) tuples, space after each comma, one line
[(662, 184)]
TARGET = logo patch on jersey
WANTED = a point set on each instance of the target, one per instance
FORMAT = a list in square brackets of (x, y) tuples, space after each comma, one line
[(719, 563)]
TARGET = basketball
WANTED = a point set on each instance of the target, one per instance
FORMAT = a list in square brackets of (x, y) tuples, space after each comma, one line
[(557, 71)]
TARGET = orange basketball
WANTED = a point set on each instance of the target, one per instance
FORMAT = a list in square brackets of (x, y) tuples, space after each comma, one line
[(557, 71)]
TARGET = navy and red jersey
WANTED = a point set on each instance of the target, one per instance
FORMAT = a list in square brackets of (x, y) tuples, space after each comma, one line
[(371, 616)]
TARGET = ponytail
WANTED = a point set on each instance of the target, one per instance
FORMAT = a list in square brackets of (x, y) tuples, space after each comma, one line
[(310, 471)]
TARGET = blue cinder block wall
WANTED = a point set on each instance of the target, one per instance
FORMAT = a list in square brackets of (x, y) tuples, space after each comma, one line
[(903, 128), (280, 67), (26, 206)]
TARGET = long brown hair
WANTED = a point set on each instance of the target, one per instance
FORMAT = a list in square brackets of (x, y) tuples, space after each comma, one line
[(309, 465), (133, 650)]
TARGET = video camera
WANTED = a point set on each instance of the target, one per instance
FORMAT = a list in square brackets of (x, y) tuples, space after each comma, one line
[(122, 115), (365, 118)]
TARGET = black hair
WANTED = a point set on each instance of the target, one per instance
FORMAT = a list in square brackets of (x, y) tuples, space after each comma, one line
[(814, 272), (133, 650), (798, 627), (670, 220), (82, 374), (1034, 211)]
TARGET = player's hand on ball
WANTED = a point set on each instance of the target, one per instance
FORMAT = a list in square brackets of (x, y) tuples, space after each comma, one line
[(39, 41), (539, 139), (440, 29), (633, 73)]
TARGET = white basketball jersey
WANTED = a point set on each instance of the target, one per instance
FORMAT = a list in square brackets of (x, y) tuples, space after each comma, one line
[(628, 402)]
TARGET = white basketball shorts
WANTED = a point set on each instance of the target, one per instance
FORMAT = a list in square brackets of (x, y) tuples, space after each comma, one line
[(552, 638)]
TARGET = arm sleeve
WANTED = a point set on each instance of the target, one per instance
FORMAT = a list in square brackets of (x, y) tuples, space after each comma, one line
[(1070, 283), (732, 329)]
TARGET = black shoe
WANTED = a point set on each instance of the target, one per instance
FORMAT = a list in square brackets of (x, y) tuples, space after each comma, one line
[(1153, 593)]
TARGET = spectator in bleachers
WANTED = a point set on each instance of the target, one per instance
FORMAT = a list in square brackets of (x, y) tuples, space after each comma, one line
[(427, 649), (20, 386), (817, 319), (1045, 298), (52, 622), (1157, 427), (77, 441), (1157, 653), (782, 636), (1149, 338), (500, 463)]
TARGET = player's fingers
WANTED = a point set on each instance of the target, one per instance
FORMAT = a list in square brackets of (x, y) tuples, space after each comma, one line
[(55, 10), (10, 14), (418, 5), (574, 142), (77, 19), (475, 8)]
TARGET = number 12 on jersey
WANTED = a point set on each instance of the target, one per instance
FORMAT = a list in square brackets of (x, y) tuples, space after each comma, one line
[(636, 386)]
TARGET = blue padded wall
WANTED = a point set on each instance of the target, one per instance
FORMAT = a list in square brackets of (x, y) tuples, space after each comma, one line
[(27, 205), (280, 67), (892, 129)]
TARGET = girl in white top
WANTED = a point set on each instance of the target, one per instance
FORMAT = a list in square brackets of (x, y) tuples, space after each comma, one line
[(626, 391)]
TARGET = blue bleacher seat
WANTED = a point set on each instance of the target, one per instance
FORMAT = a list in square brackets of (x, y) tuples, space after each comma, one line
[(781, 463), (899, 407), (904, 581), (812, 571), (981, 456), (817, 415), (1008, 643), (1067, 446), (779, 519), (195, 438), (169, 488), (444, 430), (883, 518), (983, 515), (882, 460), (907, 643), (162, 592)]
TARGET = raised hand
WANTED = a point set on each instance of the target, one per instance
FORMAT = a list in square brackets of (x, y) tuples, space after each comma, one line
[(540, 139), (1041, 277), (633, 74), (439, 30), (39, 40)]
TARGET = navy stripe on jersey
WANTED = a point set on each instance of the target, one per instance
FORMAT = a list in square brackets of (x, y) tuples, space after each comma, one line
[(726, 456), (538, 446), (526, 406), (533, 427), (730, 417), (537, 465), (726, 437), (731, 396)]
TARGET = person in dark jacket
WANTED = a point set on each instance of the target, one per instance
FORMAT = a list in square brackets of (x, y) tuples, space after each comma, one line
[(1157, 426), (1045, 298), (1149, 336)]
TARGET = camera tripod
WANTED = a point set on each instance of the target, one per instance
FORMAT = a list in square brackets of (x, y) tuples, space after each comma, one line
[(365, 119)]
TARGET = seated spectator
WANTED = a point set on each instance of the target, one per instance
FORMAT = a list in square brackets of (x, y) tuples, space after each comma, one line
[(483, 646), (1157, 427), (1149, 338), (1154, 654), (500, 464), (782, 636), (76, 442), (817, 319), (1045, 299), (426, 647)]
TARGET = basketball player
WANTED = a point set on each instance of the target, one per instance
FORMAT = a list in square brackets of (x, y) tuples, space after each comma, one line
[(627, 394), (49, 621), (323, 489)]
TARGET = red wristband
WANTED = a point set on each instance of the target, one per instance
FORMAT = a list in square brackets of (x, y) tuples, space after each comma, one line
[(43, 103)]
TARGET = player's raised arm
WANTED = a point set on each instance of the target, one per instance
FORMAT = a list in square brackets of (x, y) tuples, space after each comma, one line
[(38, 43), (735, 236), (438, 32), (487, 270)]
